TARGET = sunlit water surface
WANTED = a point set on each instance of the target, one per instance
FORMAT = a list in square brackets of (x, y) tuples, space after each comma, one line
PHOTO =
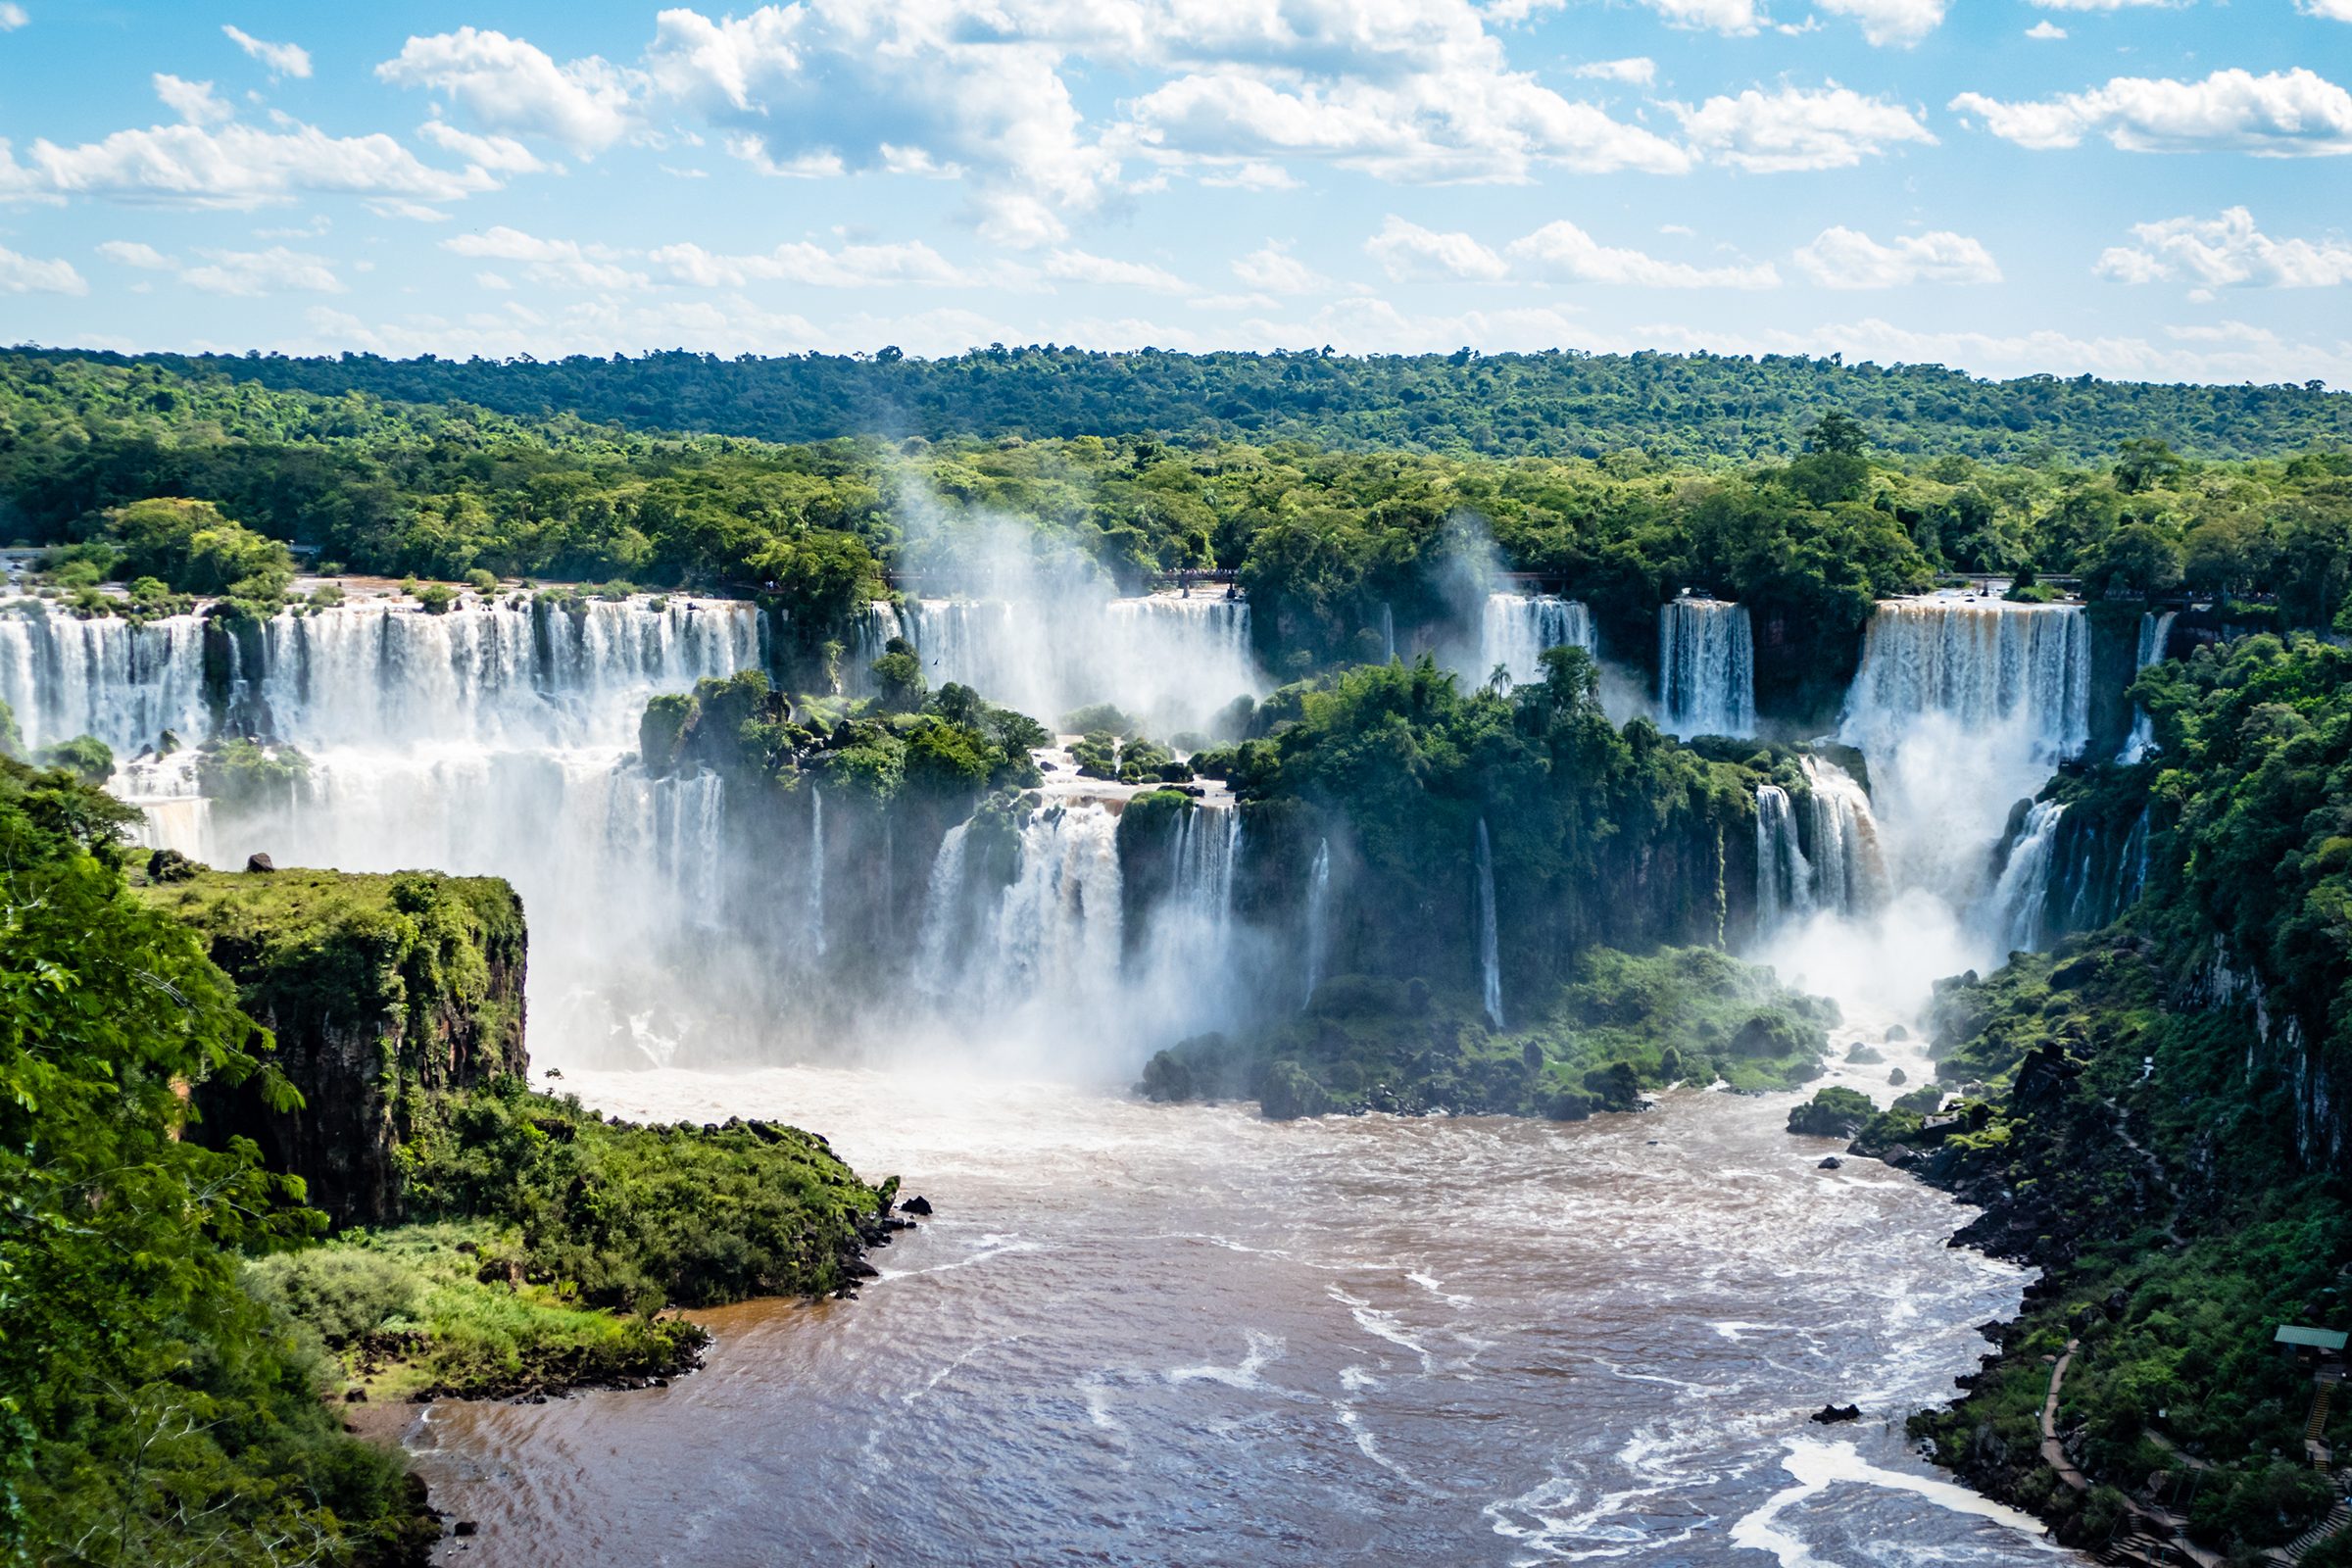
[(1143, 1334)]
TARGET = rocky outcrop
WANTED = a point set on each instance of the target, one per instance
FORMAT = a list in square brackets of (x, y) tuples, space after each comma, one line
[(375, 988)]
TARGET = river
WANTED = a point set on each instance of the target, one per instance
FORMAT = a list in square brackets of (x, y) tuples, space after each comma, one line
[(1183, 1335)]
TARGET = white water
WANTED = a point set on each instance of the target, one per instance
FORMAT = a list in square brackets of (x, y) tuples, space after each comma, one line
[(1170, 661), (1490, 961), (1706, 668), (1514, 631), (2014, 913), (2154, 632), (124, 684), (1318, 918)]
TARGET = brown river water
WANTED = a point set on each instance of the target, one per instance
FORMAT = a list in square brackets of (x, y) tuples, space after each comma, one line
[(1138, 1334)]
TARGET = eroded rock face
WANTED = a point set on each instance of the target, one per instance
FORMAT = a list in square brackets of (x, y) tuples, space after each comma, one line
[(373, 987)]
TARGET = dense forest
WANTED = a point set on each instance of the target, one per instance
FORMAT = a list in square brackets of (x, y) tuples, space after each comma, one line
[(1323, 540), (1697, 408)]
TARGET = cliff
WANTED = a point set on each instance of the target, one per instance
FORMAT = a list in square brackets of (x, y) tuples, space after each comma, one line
[(375, 988)]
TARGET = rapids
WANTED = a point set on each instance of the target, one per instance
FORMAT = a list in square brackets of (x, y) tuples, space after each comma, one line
[(1183, 1335)]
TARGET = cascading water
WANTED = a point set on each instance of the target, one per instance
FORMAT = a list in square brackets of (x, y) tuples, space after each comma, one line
[(1388, 633), (1783, 876), (124, 684), (1514, 629), (1046, 958), (817, 872), (1706, 668), (1318, 917), (2155, 630), (1490, 945), (2015, 911), (1170, 658)]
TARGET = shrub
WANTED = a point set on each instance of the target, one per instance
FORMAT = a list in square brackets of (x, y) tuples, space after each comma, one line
[(436, 598)]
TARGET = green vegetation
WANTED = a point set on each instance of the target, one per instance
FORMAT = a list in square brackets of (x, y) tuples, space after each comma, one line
[(1619, 1026), (2153, 1114), (1550, 404)]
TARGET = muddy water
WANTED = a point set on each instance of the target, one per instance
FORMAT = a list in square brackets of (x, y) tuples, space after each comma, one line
[(1139, 1334)]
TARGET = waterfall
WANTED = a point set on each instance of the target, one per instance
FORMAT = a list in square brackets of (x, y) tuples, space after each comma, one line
[(1171, 660), (1049, 957), (1784, 877), (937, 947), (1388, 633), (816, 871), (2155, 630), (1318, 917), (2015, 911), (1514, 629), (1490, 946), (124, 684), (1850, 875), (1706, 668)]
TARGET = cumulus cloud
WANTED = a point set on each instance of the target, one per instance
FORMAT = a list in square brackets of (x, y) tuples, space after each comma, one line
[(811, 265), (192, 101), (1797, 128), (12, 15), (2330, 10), (2109, 5), (253, 274), (1273, 269), (2045, 30), (26, 275), (131, 253), (282, 59), (1407, 252), (508, 84), (555, 263), (502, 155), (1080, 266), (1845, 258), (1900, 22), (1558, 252), (1737, 18), (2281, 114), (2223, 252), (231, 166), (1641, 71)]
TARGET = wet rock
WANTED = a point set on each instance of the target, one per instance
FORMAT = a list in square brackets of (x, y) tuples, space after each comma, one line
[(464, 1527), (917, 1204), (1897, 1033), (1831, 1414), (1832, 1162), (1898, 1078), (258, 861)]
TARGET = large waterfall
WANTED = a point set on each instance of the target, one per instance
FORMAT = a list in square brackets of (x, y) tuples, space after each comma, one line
[(1170, 660), (2155, 631), (1822, 857), (1514, 629), (2015, 912), (124, 684), (1706, 668)]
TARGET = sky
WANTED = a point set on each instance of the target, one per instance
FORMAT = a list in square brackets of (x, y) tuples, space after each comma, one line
[(2146, 189)]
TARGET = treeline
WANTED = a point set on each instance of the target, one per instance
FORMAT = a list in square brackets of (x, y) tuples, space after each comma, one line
[(1332, 546), (1690, 407)]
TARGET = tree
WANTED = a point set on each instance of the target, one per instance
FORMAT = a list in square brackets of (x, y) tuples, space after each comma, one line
[(2144, 462), (2135, 559), (1838, 433)]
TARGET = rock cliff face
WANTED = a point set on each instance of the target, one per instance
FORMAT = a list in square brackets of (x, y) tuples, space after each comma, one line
[(377, 989)]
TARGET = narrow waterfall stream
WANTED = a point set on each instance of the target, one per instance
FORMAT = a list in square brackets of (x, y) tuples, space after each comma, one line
[(1706, 668)]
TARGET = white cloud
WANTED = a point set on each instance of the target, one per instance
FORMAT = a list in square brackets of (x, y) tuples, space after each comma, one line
[(2281, 114), (414, 212), (1250, 174), (131, 253), (2045, 30), (1641, 71), (1797, 127), (26, 275), (500, 154), (1273, 269), (2330, 10), (282, 59), (555, 263), (1407, 251), (192, 101), (1563, 252), (811, 265), (1558, 252), (12, 15), (2225, 252), (2109, 5), (1845, 258), (254, 274), (508, 84), (1078, 266), (1901, 22), (1737, 18), (232, 166)]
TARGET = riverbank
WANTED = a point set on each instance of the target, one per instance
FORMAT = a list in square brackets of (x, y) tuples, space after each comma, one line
[(1183, 1334)]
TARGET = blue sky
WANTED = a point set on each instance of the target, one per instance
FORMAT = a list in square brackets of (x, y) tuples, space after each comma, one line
[(2124, 189)]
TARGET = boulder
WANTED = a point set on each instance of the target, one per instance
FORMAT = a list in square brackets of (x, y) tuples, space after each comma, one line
[(169, 865), (258, 861), (1831, 1162), (917, 1204), (1831, 1414)]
